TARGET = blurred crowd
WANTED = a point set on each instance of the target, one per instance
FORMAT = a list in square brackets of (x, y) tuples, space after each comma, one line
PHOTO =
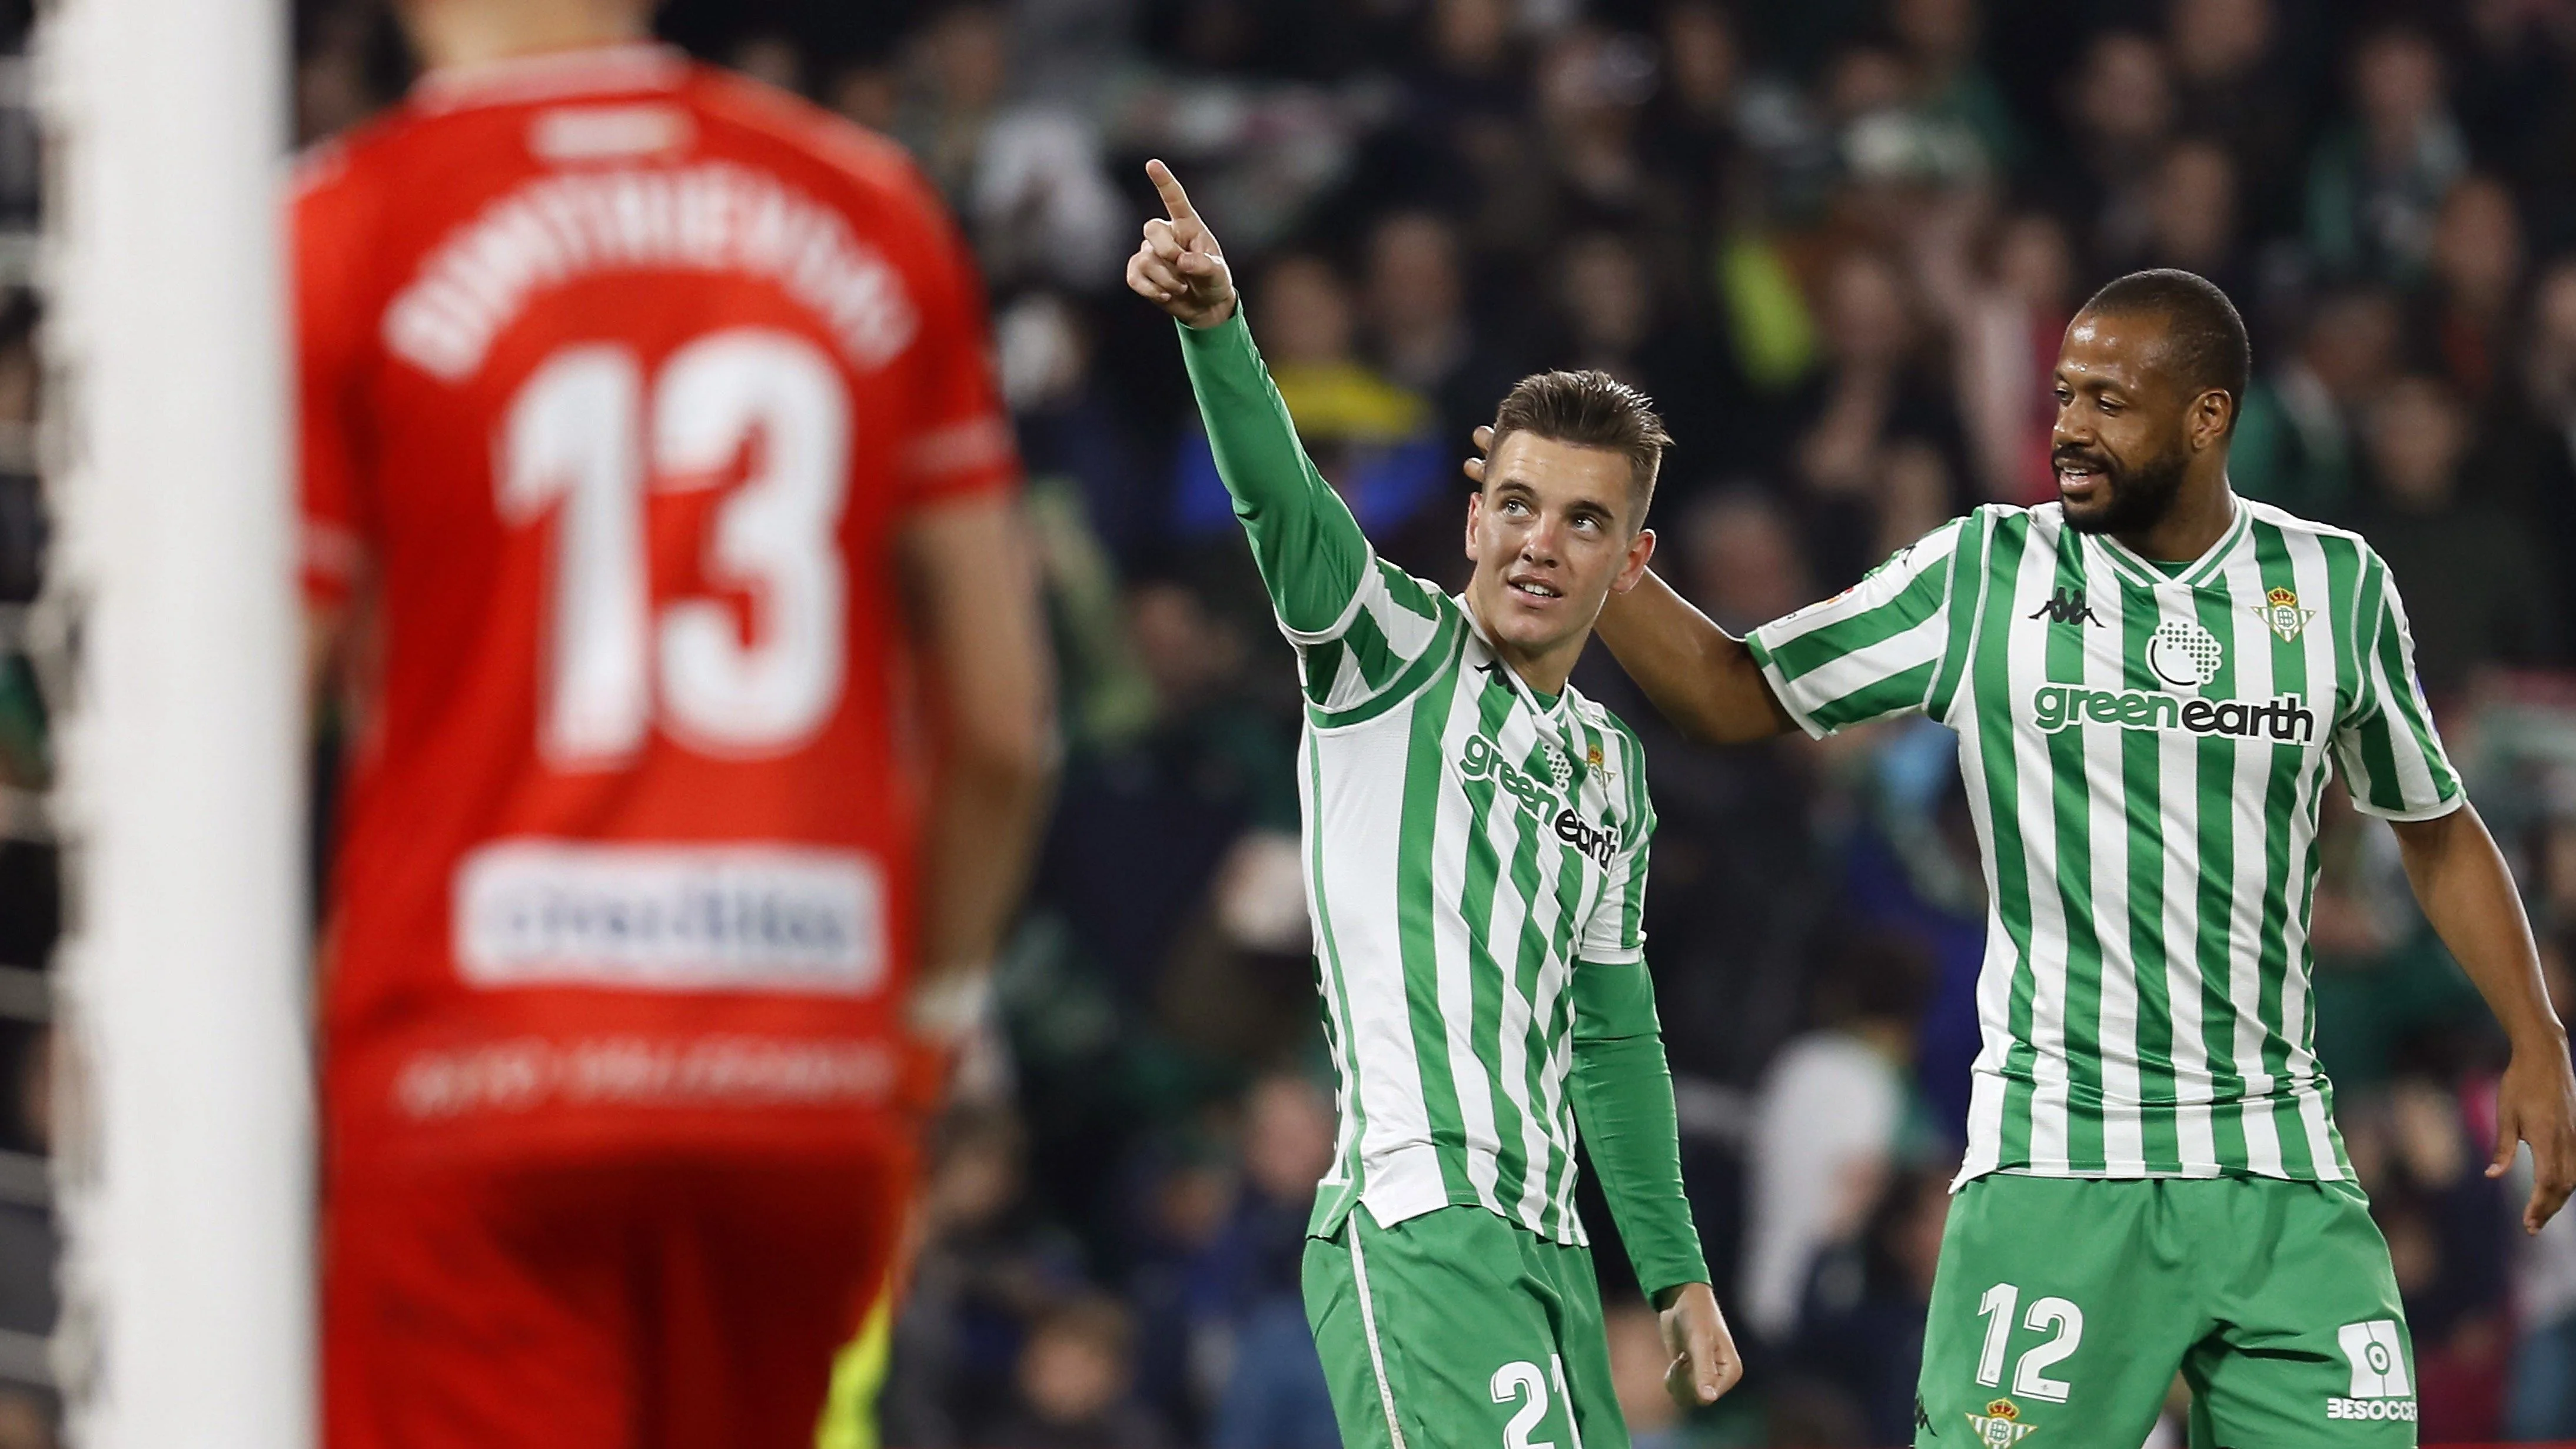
[(1837, 241)]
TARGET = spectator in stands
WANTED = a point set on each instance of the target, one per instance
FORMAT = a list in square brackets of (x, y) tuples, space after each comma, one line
[(1874, 390), (1827, 1125), (1951, 82), (1738, 557), (1638, 1359), (2376, 181), (2474, 591), (1073, 1387), (2542, 1401), (1245, 1283), (1420, 331), (2232, 81), (2439, 1214), (1375, 440), (2119, 107), (1862, 1329), (2006, 296), (987, 1270), (1025, 177), (1616, 317), (2468, 324), (2528, 453), (2191, 219), (2297, 444)]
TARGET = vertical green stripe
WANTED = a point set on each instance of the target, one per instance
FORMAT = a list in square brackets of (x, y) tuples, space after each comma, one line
[(1529, 959), (2413, 725), (1493, 705), (2071, 798), (1964, 590), (2280, 809), (1330, 965), (1639, 838), (2378, 751), (2142, 774), (2341, 612), (2215, 772), (1416, 932), (1991, 688)]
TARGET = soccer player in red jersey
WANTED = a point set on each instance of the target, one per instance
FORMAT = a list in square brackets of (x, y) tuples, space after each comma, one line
[(659, 505)]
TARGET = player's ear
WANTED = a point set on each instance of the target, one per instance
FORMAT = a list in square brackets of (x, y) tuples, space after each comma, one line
[(1632, 570), (1475, 517), (2211, 412)]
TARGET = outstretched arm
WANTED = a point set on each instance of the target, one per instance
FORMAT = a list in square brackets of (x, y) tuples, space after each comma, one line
[(2468, 895), (1700, 677), (1623, 1106), (1311, 551)]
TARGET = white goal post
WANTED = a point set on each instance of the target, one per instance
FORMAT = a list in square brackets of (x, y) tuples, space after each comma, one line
[(185, 1144)]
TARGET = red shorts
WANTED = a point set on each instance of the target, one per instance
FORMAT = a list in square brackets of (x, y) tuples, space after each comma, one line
[(676, 1305)]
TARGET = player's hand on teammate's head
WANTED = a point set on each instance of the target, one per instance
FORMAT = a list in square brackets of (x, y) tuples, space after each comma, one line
[(1474, 467), (1178, 266), (1705, 1364)]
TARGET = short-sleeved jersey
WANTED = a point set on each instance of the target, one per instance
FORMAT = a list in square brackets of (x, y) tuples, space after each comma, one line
[(619, 380), (1468, 843), (2145, 752)]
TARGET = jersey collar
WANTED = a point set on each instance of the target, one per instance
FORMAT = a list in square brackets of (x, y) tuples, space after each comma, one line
[(2128, 564), (1559, 713), (592, 70)]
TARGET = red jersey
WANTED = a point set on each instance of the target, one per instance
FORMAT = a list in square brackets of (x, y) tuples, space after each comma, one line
[(619, 378)]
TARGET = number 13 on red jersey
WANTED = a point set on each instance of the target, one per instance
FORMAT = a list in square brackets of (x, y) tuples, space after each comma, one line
[(586, 437)]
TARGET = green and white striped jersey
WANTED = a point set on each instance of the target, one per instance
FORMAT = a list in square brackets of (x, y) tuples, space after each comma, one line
[(1467, 843), (2145, 752)]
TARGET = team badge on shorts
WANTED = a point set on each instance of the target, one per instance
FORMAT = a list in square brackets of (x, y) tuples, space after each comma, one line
[(2280, 613), (2001, 1424)]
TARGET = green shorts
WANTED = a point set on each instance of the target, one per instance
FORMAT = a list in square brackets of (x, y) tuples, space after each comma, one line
[(2063, 1307), (1457, 1328)]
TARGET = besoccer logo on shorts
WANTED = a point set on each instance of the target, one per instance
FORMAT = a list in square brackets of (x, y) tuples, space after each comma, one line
[(2380, 1388), (2000, 1424)]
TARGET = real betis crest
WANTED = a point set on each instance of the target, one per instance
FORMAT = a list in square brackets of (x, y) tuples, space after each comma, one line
[(2001, 1424), (2280, 612)]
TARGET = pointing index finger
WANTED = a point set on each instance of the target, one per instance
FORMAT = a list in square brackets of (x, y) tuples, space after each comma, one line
[(1175, 200)]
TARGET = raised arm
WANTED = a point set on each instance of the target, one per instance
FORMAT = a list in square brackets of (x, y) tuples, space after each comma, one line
[(1311, 551)]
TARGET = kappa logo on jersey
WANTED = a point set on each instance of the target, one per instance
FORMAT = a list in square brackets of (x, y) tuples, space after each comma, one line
[(2380, 1386), (2280, 613), (2183, 654), (1478, 759), (2001, 1424), (2066, 606)]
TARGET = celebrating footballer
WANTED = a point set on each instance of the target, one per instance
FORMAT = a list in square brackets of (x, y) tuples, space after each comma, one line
[(1475, 835), (2153, 682)]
